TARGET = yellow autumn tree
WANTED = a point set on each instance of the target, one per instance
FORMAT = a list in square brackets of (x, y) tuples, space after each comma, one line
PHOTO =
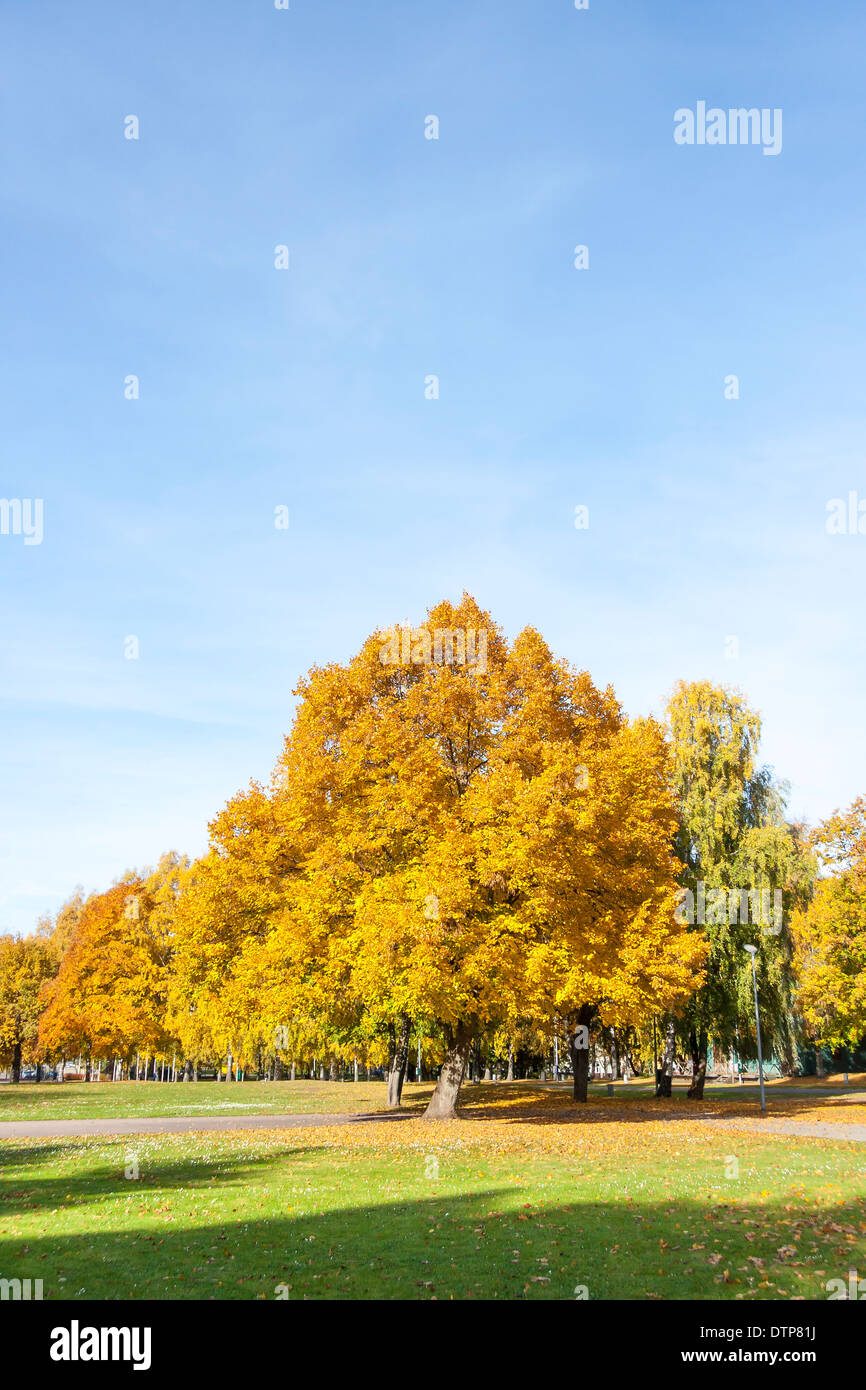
[(472, 825), (110, 993), (26, 965), (830, 935), (217, 1005)]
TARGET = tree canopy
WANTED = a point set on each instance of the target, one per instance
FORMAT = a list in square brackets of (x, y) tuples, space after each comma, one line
[(465, 839)]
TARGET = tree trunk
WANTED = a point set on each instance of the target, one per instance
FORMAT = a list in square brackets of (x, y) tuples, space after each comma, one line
[(477, 1059), (399, 1058), (16, 1063), (87, 1068), (820, 1069), (698, 1049), (293, 1072), (38, 1072), (577, 1051), (443, 1102), (278, 1068), (187, 1070), (664, 1080), (333, 1074), (616, 1066), (509, 1075)]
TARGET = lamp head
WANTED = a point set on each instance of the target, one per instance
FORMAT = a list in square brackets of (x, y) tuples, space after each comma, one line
[(751, 949)]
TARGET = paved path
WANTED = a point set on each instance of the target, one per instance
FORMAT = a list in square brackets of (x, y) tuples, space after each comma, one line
[(803, 1128), (181, 1124), (185, 1124)]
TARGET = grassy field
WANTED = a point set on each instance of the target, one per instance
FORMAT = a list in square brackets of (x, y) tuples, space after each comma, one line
[(75, 1100), (636, 1200)]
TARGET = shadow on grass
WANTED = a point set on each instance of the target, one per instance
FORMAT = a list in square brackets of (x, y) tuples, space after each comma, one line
[(390, 1230), (528, 1106), (11, 1157), (21, 1193), (535, 1104), (446, 1246)]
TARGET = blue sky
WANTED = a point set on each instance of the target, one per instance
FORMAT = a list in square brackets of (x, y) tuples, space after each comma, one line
[(305, 387)]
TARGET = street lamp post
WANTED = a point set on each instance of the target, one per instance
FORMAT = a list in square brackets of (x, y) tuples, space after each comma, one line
[(752, 950)]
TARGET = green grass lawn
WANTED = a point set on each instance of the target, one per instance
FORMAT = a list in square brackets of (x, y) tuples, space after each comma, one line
[(463, 1211), (75, 1100)]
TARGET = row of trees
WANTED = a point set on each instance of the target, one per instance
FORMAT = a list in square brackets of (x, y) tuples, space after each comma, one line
[(467, 845)]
